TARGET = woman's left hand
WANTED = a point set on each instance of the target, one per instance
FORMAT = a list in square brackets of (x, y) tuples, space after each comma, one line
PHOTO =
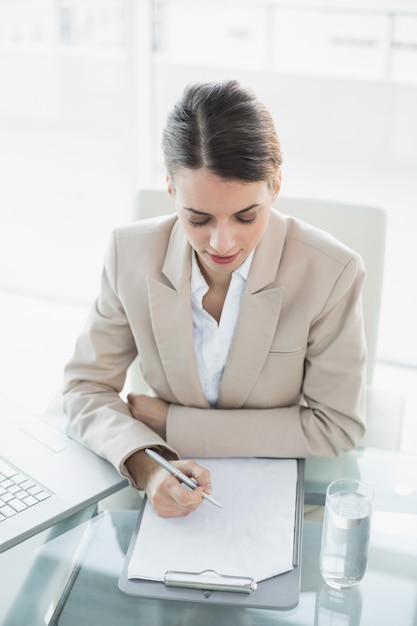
[(151, 411)]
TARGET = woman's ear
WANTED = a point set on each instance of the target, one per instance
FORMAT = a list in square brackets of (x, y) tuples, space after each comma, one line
[(276, 186)]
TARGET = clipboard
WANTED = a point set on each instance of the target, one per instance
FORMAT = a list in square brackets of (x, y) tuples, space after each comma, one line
[(280, 592)]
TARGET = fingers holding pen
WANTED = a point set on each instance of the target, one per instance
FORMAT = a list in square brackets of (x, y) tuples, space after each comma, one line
[(161, 480), (169, 498), (173, 500), (199, 473)]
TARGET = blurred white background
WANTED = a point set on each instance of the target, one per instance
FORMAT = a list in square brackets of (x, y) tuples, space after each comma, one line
[(85, 86)]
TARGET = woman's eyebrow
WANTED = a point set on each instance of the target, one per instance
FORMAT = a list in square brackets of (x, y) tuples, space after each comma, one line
[(248, 208)]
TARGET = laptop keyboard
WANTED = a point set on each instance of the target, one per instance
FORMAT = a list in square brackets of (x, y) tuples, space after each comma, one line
[(18, 491)]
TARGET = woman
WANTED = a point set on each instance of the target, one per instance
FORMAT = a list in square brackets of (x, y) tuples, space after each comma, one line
[(247, 323)]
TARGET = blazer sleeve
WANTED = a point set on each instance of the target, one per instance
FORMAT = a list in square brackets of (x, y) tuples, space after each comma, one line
[(329, 418), (94, 379)]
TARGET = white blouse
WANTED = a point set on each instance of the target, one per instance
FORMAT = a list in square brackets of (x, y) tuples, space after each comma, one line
[(212, 341)]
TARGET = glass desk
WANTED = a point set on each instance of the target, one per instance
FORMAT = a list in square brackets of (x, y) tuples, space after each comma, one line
[(54, 591)]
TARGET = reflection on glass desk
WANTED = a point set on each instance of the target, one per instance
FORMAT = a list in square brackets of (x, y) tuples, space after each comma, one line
[(393, 477), (73, 579)]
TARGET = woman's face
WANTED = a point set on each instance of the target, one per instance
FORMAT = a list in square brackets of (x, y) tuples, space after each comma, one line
[(224, 220)]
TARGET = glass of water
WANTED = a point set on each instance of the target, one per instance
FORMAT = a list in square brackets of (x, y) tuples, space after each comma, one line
[(346, 531)]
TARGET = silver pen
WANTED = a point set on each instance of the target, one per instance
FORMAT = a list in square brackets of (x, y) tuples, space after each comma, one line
[(190, 482)]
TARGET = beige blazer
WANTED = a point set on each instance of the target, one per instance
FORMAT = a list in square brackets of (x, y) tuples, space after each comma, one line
[(294, 382)]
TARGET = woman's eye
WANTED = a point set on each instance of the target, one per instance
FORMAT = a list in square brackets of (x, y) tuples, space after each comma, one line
[(198, 222), (246, 220)]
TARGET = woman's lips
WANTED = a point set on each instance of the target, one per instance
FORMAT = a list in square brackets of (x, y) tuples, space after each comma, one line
[(222, 260)]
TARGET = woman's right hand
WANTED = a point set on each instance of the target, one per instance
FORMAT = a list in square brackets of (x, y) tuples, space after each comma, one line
[(168, 497)]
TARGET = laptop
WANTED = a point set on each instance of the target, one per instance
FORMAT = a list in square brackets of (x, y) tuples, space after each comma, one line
[(45, 476)]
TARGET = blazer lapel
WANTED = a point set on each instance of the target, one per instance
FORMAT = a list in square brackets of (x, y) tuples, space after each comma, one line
[(170, 309), (258, 318)]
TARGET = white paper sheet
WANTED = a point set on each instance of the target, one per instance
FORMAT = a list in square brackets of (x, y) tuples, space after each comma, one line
[(251, 535)]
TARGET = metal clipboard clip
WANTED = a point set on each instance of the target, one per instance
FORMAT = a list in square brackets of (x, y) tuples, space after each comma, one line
[(209, 580)]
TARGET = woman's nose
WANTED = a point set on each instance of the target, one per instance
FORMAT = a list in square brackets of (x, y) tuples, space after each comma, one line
[(222, 240)]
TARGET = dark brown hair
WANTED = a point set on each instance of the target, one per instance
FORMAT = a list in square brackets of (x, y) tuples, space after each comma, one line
[(225, 128)]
